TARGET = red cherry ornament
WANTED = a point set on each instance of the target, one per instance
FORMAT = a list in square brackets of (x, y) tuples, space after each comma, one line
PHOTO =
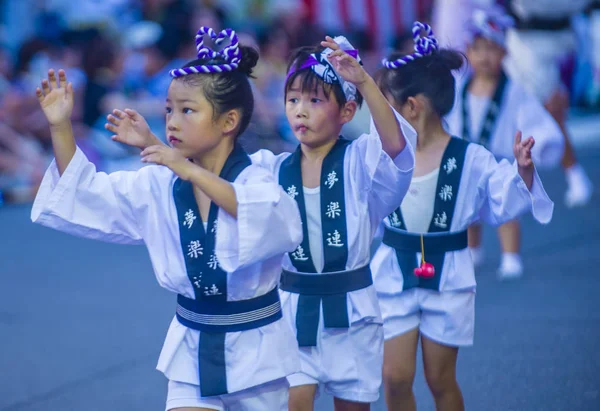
[(428, 270), (418, 271)]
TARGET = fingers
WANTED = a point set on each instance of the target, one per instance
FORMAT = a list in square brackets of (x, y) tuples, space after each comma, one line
[(52, 79), (329, 42), (62, 78), (518, 136), (45, 87), (132, 113), (113, 119), (121, 115), (111, 127), (151, 150), (39, 94)]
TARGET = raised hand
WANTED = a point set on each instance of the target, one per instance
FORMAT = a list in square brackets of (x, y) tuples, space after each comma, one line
[(522, 151), (168, 157), (56, 98), (130, 128), (345, 65)]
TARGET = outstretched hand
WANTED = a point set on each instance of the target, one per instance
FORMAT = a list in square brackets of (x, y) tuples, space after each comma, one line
[(130, 127), (56, 98), (522, 151)]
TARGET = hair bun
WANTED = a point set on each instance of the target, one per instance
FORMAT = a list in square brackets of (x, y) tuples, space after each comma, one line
[(248, 61)]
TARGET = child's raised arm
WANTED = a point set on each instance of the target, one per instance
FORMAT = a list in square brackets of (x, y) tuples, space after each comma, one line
[(56, 100), (392, 139)]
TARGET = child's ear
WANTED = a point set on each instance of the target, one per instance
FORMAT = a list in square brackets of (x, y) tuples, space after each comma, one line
[(230, 121), (348, 111), (414, 106)]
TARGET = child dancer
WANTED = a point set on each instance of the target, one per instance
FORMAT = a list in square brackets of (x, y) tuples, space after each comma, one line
[(423, 271), (216, 228), (490, 107), (344, 189)]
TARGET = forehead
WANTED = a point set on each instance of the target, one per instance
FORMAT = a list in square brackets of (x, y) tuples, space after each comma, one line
[(179, 90), (482, 42), (315, 88)]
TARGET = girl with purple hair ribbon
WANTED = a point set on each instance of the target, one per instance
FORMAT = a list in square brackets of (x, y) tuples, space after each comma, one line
[(423, 272), (216, 227), (343, 189)]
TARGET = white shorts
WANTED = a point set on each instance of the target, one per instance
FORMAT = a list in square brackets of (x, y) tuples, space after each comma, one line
[(446, 317), (269, 396), (534, 59), (347, 363)]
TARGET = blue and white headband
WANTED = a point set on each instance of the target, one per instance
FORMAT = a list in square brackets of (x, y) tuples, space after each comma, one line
[(490, 24), (322, 67), (424, 46)]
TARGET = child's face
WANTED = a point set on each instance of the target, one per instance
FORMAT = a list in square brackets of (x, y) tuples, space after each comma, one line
[(315, 118), (191, 126), (485, 56)]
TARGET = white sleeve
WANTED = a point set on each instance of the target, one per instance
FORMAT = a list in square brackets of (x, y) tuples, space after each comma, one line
[(504, 193), (534, 120), (385, 179), (268, 223), (267, 159), (88, 204)]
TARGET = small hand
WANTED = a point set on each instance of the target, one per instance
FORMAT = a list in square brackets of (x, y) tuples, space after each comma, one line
[(346, 66), (522, 151), (168, 157), (56, 98), (130, 128)]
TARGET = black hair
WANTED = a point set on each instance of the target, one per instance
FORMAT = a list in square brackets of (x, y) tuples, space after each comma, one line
[(430, 75), (310, 81), (229, 90)]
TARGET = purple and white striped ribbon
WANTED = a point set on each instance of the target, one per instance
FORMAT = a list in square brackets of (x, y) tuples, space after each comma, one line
[(424, 46), (231, 54)]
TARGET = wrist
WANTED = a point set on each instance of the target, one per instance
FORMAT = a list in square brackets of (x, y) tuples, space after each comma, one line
[(64, 125), (365, 84)]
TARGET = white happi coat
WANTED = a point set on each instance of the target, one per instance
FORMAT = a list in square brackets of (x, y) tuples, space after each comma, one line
[(489, 190), (519, 110), (138, 208), (374, 186)]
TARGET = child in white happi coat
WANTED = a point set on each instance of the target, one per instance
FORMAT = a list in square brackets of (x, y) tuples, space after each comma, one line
[(490, 108), (344, 189), (215, 225), (423, 270)]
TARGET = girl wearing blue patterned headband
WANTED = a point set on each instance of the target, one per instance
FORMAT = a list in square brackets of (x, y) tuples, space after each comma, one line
[(343, 189), (490, 108), (423, 271), (215, 225)]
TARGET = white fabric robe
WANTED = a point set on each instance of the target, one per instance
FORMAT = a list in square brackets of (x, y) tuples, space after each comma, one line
[(519, 111), (137, 207), (374, 184), (492, 191)]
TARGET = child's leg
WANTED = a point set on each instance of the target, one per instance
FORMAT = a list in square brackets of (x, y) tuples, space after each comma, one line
[(302, 397), (399, 364), (510, 241), (439, 363), (580, 187), (344, 405), (186, 397), (272, 395), (474, 235)]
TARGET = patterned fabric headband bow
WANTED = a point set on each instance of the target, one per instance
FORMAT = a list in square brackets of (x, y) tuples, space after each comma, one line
[(320, 64), (424, 46), (490, 24), (230, 54)]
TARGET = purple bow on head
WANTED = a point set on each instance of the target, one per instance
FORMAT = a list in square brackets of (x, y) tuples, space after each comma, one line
[(424, 46), (231, 54), (312, 61)]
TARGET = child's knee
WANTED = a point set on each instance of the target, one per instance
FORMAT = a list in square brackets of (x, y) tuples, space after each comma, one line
[(398, 379)]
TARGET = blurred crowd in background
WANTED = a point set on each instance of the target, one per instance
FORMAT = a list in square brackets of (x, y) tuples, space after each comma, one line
[(118, 53)]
